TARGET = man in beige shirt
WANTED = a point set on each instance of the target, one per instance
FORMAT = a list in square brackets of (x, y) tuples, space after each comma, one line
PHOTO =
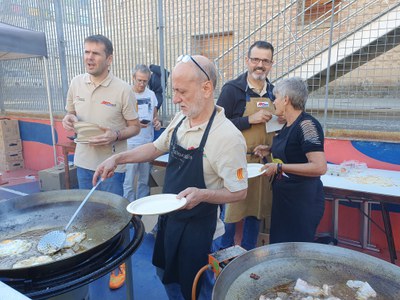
[(101, 98), (207, 166)]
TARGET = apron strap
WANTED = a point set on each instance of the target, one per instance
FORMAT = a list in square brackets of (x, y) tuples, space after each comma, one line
[(205, 135)]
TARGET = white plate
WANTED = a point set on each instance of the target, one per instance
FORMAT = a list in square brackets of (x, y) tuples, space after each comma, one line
[(81, 141), (155, 204), (254, 170), (86, 132), (85, 129)]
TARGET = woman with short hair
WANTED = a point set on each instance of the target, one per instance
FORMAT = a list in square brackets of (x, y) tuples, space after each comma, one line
[(298, 161)]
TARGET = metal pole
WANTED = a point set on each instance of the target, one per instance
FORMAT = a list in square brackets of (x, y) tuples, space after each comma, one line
[(2, 109), (53, 136), (61, 47), (162, 63), (328, 67), (128, 267)]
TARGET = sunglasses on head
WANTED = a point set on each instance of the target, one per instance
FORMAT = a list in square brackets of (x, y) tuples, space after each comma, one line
[(186, 57)]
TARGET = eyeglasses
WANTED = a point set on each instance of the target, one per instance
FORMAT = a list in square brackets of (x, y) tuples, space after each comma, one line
[(141, 81), (265, 62), (185, 58)]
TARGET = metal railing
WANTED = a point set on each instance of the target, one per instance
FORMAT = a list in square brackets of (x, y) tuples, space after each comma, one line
[(362, 91)]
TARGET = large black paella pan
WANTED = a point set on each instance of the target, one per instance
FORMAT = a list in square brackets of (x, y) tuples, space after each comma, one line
[(102, 219), (262, 269)]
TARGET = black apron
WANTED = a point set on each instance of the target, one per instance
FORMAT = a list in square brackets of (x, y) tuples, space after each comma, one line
[(298, 201), (184, 237)]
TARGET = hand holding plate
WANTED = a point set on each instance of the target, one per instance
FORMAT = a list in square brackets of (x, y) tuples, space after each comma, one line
[(108, 137), (68, 121), (270, 169), (194, 196)]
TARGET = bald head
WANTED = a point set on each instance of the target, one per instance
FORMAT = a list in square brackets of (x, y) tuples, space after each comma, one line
[(193, 80), (198, 67)]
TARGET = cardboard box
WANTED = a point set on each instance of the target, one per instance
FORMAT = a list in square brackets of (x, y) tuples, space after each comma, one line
[(12, 165), (54, 178), (9, 129), (11, 156), (11, 145)]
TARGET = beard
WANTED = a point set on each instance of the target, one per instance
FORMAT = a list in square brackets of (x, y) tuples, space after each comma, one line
[(262, 76), (193, 112), (195, 109)]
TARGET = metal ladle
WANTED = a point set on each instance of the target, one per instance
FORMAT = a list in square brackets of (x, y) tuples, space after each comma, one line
[(54, 240)]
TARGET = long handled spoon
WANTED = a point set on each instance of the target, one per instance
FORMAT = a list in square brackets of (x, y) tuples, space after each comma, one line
[(54, 240)]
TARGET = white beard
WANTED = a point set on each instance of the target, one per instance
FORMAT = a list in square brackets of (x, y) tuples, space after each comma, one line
[(259, 77)]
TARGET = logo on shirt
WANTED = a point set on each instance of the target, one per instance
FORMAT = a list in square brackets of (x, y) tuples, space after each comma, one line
[(108, 103), (77, 98), (262, 104), (239, 174)]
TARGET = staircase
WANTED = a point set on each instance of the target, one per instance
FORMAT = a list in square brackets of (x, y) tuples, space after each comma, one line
[(368, 42), (310, 50)]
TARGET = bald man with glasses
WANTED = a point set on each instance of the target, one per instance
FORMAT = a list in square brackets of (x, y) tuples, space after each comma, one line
[(248, 103), (207, 161)]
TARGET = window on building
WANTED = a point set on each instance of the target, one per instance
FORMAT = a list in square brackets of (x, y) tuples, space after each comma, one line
[(213, 46), (317, 10)]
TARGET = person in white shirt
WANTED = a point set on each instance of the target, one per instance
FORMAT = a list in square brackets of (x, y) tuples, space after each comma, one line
[(148, 116)]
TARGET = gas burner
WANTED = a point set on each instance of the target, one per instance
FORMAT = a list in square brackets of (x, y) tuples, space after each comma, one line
[(81, 275)]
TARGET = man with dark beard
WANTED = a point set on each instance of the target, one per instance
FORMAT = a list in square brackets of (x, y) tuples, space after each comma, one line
[(247, 101)]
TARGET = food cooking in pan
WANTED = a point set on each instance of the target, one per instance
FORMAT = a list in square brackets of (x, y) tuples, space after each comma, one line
[(301, 289), (21, 253)]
